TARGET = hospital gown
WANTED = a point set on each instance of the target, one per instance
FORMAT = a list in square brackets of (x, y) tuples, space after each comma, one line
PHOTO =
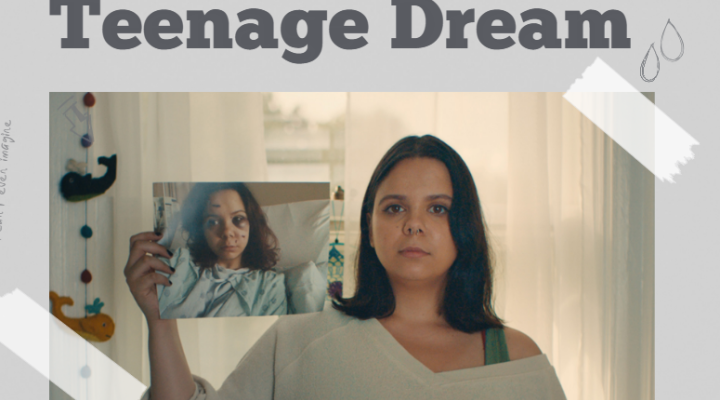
[(218, 291)]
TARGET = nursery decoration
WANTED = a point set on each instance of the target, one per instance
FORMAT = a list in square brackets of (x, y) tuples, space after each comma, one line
[(86, 277), (79, 186), (97, 328), (87, 140), (86, 232), (75, 187), (89, 99)]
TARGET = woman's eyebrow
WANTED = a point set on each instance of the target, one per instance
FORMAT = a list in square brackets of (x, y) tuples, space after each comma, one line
[(232, 213), (439, 196), (218, 206), (402, 197), (392, 197)]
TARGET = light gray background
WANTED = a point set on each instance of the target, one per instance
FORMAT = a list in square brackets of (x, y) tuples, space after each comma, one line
[(687, 215)]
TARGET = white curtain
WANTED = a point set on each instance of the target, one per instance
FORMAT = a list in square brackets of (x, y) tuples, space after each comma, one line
[(166, 137), (570, 216)]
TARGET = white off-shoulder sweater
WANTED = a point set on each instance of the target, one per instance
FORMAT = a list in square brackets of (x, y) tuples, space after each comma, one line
[(328, 355)]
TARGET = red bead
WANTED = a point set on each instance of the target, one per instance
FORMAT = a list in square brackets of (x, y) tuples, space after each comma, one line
[(86, 277), (89, 99)]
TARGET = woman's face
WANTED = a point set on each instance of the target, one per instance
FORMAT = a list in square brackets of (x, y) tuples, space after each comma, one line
[(226, 227), (409, 226)]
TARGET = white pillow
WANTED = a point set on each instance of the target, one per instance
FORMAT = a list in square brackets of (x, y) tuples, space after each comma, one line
[(303, 232), (305, 287)]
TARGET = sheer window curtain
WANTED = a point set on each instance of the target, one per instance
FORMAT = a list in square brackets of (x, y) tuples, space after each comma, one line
[(570, 217), (177, 137)]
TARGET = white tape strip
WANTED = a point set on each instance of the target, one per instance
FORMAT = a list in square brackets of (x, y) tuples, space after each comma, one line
[(60, 354), (631, 120)]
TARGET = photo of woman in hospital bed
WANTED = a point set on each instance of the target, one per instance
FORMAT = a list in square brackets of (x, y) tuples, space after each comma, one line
[(225, 266)]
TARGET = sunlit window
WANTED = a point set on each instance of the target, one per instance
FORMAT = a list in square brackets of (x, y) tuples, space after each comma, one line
[(305, 137), (305, 142)]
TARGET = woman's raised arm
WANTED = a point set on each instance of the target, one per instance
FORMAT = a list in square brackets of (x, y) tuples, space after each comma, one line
[(169, 370)]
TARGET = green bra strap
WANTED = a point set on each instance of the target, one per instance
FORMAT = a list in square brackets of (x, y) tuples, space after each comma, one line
[(495, 347)]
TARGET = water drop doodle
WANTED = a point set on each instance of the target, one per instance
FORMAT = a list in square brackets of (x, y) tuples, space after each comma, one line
[(642, 65), (662, 39)]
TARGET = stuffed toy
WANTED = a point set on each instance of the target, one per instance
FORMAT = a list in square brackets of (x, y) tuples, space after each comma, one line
[(96, 328), (75, 187)]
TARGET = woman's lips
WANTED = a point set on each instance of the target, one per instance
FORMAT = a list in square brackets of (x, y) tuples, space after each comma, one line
[(413, 252), (229, 248)]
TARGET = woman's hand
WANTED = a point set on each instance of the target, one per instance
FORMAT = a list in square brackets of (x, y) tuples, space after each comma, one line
[(169, 370), (140, 272)]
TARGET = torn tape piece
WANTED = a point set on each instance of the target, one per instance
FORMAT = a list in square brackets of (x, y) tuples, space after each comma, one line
[(60, 354), (635, 123)]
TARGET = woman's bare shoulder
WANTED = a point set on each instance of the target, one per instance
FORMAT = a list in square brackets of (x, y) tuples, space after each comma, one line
[(519, 344)]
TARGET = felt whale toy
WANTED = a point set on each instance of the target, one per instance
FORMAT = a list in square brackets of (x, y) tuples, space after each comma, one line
[(96, 328), (75, 187)]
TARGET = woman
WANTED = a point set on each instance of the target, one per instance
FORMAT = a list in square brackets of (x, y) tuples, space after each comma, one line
[(225, 269), (421, 323)]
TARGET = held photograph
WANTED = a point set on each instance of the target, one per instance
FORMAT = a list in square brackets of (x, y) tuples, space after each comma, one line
[(242, 249)]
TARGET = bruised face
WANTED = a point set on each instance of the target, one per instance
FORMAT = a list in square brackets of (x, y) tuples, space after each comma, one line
[(409, 226), (226, 227)]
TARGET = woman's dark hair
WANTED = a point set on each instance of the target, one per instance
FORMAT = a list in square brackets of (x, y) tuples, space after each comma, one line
[(261, 252), (467, 302)]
